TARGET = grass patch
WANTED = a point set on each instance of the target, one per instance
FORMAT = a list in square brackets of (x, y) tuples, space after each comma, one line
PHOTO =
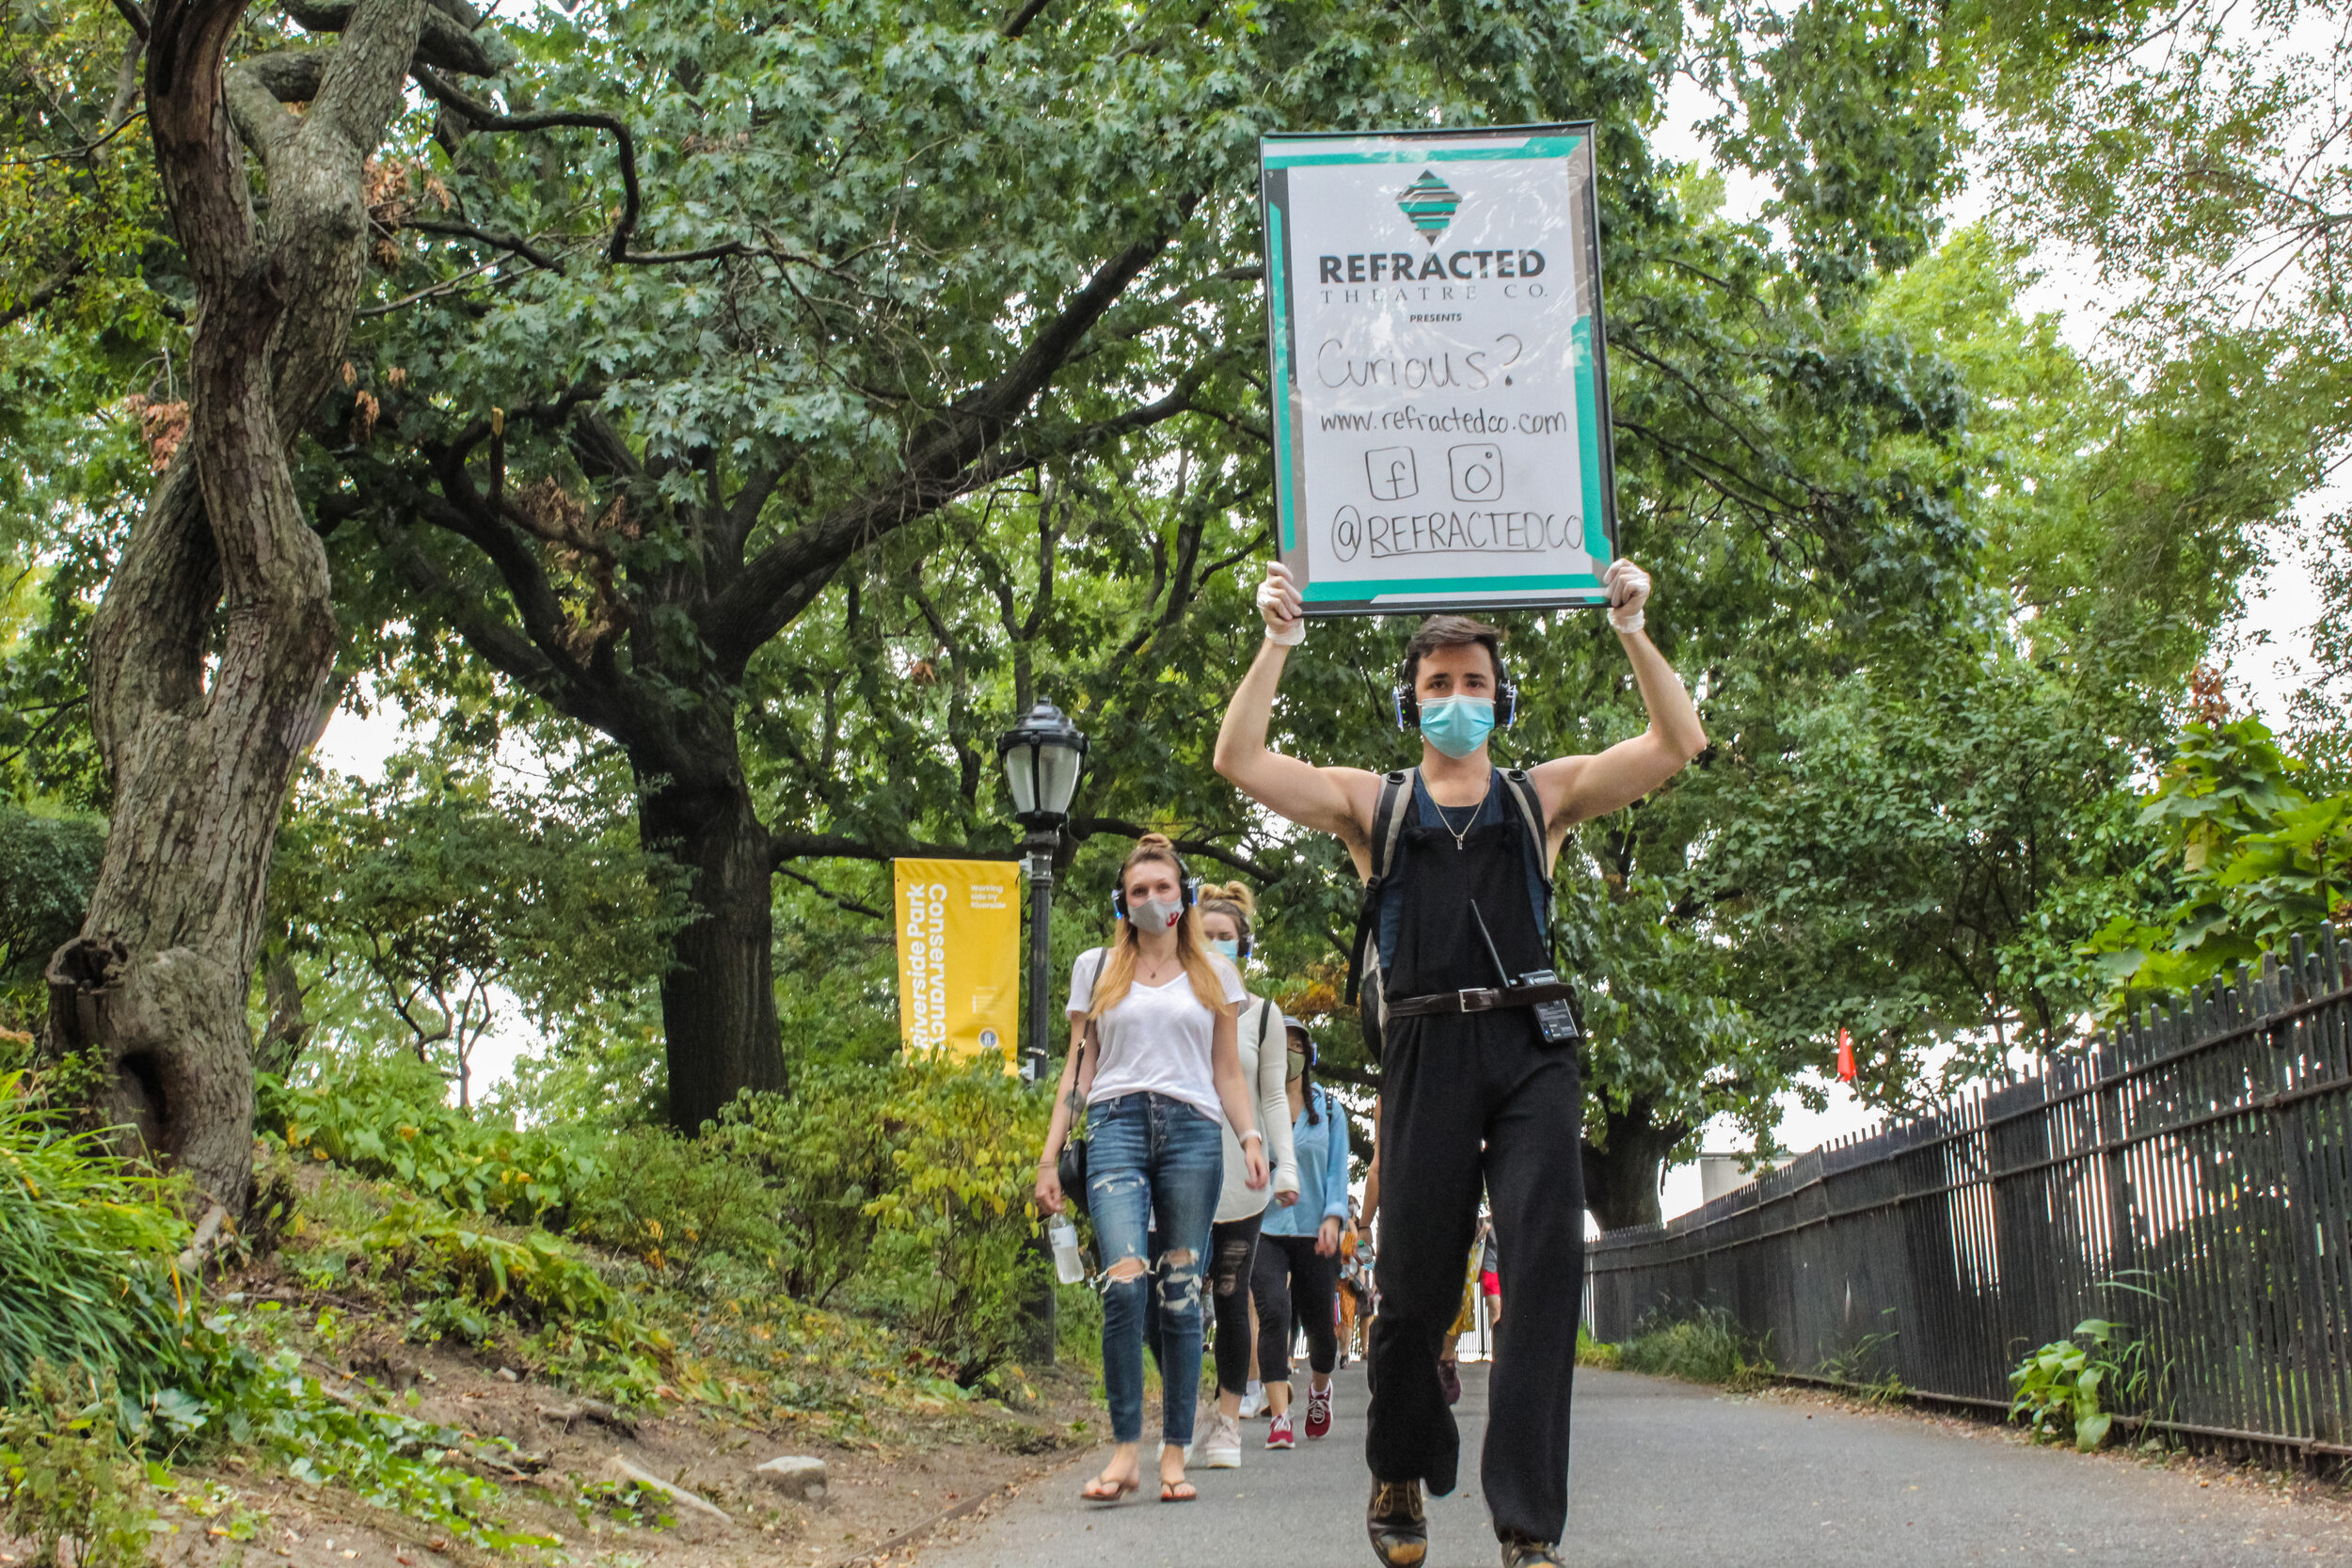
[(1701, 1344), (87, 1244)]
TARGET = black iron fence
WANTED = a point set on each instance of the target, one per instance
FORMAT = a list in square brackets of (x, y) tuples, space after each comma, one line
[(2203, 1158)]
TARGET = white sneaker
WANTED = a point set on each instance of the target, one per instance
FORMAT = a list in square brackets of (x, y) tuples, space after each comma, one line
[(1220, 1444), (1253, 1399)]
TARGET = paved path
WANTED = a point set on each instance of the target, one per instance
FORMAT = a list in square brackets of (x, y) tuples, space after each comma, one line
[(1665, 1475)]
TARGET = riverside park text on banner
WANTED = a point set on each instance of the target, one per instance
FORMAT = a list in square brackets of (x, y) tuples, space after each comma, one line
[(959, 957), (1440, 396)]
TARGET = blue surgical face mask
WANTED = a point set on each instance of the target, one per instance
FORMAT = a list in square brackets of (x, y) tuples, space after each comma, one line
[(1457, 725), (1230, 949)]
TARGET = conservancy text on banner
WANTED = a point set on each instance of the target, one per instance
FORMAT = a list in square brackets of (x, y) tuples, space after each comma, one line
[(958, 956)]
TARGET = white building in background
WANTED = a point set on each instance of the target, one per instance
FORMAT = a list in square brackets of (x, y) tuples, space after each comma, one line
[(1730, 1172)]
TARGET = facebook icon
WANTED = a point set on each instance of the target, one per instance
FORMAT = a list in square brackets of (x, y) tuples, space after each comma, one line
[(1391, 474)]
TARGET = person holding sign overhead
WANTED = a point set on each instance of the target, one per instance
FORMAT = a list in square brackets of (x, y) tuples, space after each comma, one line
[(1477, 1038)]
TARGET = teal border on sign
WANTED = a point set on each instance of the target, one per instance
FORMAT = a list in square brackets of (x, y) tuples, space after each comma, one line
[(1353, 593), (1535, 146), (1587, 333), (1587, 435), (1278, 390)]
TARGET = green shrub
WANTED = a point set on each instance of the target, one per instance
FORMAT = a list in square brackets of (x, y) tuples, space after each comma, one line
[(66, 1476), (957, 1222), (536, 1277), (912, 1181), (909, 1186), (86, 1258), (825, 1152), (2069, 1387), (1596, 1354), (677, 1204), (48, 865), (1078, 1328), (1700, 1345), (394, 1126), (460, 1275)]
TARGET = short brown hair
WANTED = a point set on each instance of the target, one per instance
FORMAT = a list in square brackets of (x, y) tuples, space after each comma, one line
[(1450, 631)]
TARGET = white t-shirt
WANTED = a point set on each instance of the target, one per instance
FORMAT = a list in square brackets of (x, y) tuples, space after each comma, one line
[(1157, 1039)]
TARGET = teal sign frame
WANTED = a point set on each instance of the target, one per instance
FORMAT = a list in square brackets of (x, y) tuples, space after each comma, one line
[(1437, 359)]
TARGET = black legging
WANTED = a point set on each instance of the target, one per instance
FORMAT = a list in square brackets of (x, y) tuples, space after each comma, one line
[(1232, 1244), (1295, 1284)]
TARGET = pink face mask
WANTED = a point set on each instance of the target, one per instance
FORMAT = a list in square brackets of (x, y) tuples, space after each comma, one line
[(1154, 915)]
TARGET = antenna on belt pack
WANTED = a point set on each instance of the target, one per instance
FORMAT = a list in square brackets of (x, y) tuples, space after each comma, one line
[(1502, 974), (1555, 1021)]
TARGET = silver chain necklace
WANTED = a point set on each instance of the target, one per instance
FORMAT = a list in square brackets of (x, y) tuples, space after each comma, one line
[(1477, 807)]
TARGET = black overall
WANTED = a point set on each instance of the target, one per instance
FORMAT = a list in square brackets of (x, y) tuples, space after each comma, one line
[(1467, 1100)]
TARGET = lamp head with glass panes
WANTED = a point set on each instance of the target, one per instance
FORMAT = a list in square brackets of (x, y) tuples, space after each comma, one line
[(1043, 755)]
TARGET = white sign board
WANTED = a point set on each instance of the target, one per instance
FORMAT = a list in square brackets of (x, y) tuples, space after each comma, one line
[(1441, 400)]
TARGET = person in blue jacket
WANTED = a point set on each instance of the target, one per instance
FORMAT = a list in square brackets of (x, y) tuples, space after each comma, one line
[(1295, 1277)]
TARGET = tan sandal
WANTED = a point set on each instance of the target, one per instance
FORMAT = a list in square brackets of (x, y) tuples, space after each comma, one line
[(1101, 1490)]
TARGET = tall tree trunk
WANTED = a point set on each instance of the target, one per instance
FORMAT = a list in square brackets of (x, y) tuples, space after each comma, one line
[(211, 652), (1623, 1172), (719, 1000)]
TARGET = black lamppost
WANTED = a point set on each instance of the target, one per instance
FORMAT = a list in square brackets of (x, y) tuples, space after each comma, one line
[(1043, 755)]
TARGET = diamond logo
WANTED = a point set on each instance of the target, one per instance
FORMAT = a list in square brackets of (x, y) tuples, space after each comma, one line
[(1429, 203)]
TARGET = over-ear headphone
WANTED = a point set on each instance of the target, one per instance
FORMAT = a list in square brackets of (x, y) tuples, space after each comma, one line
[(1506, 699), (1184, 879)]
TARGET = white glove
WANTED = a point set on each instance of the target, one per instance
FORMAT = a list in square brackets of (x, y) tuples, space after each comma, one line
[(1279, 602), (1629, 590)]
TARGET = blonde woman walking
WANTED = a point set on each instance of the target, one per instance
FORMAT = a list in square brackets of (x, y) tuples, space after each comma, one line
[(1153, 1057)]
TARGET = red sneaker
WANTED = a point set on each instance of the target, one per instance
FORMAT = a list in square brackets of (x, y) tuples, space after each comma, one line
[(1318, 1412), (1278, 1435)]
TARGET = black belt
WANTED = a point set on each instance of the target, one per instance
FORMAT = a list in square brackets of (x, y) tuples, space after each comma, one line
[(1475, 1000)]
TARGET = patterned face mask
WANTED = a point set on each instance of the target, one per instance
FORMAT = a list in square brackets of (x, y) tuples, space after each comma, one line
[(1154, 915)]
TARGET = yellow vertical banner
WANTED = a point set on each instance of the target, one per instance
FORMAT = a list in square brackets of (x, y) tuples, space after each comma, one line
[(959, 957)]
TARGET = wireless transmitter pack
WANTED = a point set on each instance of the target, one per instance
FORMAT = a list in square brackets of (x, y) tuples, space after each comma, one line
[(1555, 1021)]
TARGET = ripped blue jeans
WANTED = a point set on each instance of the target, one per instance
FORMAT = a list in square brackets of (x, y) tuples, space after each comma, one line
[(1153, 1169)]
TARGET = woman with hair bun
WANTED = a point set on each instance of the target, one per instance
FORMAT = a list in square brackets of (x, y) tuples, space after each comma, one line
[(1154, 1059), (1227, 919)]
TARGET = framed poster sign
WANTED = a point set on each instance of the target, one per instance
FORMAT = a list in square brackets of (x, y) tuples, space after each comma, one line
[(1441, 400)]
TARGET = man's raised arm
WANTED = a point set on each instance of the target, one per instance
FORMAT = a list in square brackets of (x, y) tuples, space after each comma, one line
[(1579, 788), (1309, 795)]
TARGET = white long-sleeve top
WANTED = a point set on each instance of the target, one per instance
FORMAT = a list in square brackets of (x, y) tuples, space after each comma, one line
[(1260, 1023)]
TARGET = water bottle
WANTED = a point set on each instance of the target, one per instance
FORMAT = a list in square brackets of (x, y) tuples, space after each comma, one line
[(1070, 1264)]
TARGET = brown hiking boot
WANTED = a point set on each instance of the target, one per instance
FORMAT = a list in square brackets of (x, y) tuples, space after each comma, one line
[(1519, 1552), (1398, 1528)]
